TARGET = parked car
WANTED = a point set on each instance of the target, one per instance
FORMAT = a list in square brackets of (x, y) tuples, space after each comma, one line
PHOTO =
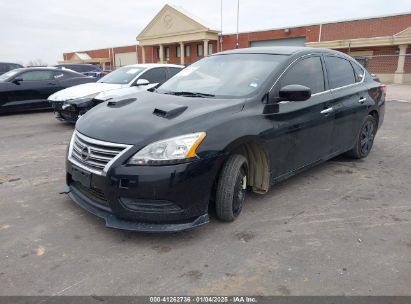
[(7, 66), (29, 88), (71, 103), (86, 69), (362, 60), (246, 118)]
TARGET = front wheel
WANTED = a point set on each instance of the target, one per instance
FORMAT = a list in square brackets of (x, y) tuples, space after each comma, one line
[(365, 138), (231, 188)]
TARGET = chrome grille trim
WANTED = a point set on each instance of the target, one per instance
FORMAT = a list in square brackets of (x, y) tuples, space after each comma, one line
[(102, 154)]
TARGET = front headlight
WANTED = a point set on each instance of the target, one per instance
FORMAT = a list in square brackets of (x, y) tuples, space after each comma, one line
[(169, 151)]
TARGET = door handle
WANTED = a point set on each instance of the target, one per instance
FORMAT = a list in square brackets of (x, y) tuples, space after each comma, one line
[(362, 100), (51, 83), (327, 111)]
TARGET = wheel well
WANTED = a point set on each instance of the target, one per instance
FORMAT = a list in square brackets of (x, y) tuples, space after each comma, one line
[(374, 114), (258, 166)]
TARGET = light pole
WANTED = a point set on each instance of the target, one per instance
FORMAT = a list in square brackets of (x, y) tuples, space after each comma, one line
[(220, 40), (237, 44)]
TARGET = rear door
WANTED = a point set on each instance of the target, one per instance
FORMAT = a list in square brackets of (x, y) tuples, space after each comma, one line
[(65, 79), (303, 128), (346, 81), (33, 89)]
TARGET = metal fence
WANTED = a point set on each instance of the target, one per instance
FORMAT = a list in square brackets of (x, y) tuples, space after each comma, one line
[(384, 63), (386, 66)]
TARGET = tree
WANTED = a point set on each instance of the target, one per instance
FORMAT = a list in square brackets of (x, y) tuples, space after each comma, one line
[(36, 62)]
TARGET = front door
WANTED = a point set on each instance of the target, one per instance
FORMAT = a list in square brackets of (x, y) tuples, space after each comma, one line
[(302, 130)]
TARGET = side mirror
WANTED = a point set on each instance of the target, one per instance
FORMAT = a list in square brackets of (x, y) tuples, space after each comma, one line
[(142, 82), (295, 92), (17, 80)]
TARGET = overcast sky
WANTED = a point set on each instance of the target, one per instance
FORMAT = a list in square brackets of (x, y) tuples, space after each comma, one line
[(44, 29)]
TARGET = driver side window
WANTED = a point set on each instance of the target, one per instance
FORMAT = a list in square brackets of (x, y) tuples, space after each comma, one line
[(307, 72), (36, 75)]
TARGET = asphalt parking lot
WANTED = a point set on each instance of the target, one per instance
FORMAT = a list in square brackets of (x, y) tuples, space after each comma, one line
[(342, 228)]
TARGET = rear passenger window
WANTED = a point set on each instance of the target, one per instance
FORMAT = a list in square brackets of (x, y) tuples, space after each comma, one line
[(340, 72), (307, 72), (358, 71), (36, 75), (156, 75), (63, 75), (88, 68), (173, 71)]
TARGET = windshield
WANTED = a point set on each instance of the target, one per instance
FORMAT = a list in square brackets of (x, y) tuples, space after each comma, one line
[(9, 74), (233, 75), (122, 75)]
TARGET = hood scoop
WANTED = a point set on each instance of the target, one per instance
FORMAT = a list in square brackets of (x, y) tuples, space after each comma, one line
[(169, 110), (116, 103)]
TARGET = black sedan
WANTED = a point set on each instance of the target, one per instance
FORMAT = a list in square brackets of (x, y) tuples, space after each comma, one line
[(28, 88), (238, 120), (85, 69), (7, 66)]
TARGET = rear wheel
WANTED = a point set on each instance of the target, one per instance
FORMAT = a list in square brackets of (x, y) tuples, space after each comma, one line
[(231, 188), (365, 139)]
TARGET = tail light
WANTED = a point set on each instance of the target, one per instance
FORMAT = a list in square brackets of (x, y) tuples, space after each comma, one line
[(384, 89)]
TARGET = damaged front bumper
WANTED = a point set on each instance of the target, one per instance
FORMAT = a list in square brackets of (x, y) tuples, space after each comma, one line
[(146, 198), (114, 222), (71, 110)]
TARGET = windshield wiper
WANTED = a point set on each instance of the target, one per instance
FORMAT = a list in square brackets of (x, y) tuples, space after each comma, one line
[(191, 94)]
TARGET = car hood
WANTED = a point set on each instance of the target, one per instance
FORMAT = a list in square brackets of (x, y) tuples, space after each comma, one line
[(83, 90), (148, 117), (107, 95)]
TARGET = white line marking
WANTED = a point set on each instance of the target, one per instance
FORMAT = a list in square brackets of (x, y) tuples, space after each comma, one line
[(401, 100), (69, 287)]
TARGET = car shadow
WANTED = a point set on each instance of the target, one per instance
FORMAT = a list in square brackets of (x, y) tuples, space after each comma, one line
[(25, 112), (215, 225)]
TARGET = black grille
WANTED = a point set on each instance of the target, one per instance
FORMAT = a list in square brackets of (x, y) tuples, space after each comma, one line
[(69, 115), (150, 206), (95, 195), (56, 105)]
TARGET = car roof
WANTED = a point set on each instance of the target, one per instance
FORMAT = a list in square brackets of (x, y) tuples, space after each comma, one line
[(279, 50), (10, 63), (39, 68), (45, 69), (79, 64), (153, 65)]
